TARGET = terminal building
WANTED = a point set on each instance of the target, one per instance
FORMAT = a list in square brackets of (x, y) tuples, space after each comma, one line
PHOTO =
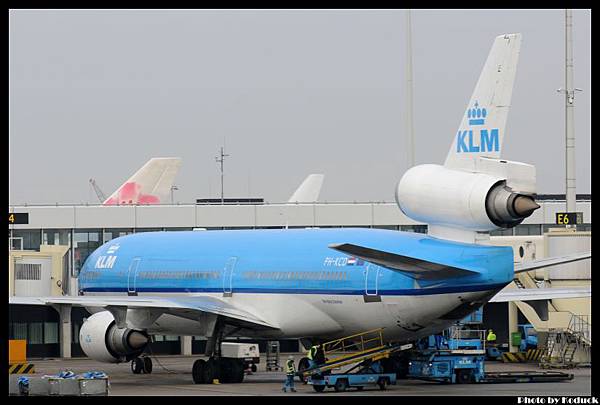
[(47, 253)]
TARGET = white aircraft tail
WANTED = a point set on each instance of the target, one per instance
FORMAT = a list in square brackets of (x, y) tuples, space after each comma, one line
[(149, 185), (481, 130), (309, 190), (475, 192)]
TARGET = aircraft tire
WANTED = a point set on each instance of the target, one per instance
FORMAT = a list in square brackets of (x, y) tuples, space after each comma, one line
[(198, 371), (227, 368), (238, 371), (147, 365), (210, 371), (137, 365)]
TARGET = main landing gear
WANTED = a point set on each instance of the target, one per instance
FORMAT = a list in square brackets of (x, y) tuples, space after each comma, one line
[(141, 365), (226, 370)]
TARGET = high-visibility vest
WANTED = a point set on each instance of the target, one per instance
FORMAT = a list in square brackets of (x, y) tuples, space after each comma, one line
[(289, 367), (491, 337), (312, 352)]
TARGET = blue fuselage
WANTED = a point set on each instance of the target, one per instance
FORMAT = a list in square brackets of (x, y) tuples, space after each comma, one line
[(295, 261)]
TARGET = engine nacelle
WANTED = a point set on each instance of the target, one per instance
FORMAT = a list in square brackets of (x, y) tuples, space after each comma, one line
[(101, 340), (474, 201)]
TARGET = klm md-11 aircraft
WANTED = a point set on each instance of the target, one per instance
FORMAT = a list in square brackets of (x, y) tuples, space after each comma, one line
[(328, 283)]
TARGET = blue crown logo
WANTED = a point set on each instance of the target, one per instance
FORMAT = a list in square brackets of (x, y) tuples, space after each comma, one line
[(476, 115)]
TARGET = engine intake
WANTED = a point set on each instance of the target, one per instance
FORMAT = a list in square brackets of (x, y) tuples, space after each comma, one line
[(101, 340)]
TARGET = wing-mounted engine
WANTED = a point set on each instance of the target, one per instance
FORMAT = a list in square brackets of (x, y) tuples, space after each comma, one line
[(102, 340), (495, 194)]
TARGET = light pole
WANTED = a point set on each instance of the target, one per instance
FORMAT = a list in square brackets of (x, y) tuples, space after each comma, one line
[(569, 92)]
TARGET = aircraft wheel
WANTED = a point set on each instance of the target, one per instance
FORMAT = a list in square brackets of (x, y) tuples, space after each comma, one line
[(253, 368), (198, 371), (147, 365), (210, 371), (227, 368), (137, 365), (237, 371)]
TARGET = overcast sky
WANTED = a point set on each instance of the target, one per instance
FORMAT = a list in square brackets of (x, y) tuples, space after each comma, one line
[(98, 93)]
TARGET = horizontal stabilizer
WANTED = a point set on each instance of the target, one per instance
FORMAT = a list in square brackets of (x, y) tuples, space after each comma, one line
[(410, 266), (551, 261), (533, 294)]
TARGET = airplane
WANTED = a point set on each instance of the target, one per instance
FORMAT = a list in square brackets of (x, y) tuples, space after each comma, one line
[(309, 189), (317, 284), (151, 184)]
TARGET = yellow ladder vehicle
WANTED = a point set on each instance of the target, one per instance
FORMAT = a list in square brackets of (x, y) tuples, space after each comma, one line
[(351, 349)]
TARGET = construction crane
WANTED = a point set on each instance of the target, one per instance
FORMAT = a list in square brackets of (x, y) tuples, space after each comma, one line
[(99, 193)]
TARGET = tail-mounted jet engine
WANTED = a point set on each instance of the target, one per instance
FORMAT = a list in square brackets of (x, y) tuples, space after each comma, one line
[(101, 340), (495, 194)]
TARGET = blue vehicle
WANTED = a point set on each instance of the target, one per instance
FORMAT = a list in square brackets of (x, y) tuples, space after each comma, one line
[(369, 374), (451, 366), (529, 338)]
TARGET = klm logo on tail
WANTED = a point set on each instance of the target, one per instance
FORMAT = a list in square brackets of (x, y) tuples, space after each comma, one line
[(466, 141)]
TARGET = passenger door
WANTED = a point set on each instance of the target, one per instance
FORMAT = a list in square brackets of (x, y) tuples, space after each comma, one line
[(371, 279), (132, 276), (228, 276)]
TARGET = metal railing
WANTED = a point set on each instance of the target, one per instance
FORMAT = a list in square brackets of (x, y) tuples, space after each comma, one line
[(580, 326), (369, 340)]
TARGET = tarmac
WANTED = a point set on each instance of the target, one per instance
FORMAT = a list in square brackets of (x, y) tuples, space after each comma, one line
[(172, 376)]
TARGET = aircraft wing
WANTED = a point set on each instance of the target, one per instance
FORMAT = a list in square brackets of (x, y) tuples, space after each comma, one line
[(535, 294), (170, 305), (415, 268), (551, 261)]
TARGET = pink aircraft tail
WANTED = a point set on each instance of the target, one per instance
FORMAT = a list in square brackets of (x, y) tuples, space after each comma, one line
[(149, 185)]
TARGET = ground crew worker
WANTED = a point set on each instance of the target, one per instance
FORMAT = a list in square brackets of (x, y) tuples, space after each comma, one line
[(290, 371), (312, 356), (491, 337)]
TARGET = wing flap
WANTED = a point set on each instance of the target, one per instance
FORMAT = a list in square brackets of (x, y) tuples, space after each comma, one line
[(410, 266)]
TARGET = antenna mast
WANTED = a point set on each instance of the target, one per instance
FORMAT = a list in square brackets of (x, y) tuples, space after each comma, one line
[(221, 159)]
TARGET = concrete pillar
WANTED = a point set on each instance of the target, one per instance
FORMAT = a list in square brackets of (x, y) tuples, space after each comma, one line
[(186, 345), (513, 324), (65, 335)]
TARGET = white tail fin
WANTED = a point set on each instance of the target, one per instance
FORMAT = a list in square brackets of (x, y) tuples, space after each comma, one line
[(149, 185), (482, 128), (309, 190)]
